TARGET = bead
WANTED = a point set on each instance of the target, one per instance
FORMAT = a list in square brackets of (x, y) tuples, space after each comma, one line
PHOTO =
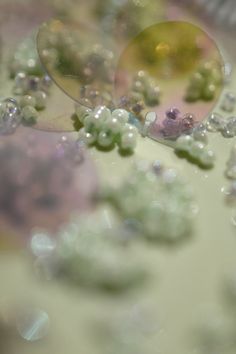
[(87, 138), (150, 119), (27, 100), (20, 86), (231, 126), (173, 113), (128, 141), (184, 143), (215, 122), (82, 112), (29, 115), (228, 103), (33, 83), (193, 94), (100, 115), (187, 123), (197, 80), (196, 149), (121, 114), (113, 125), (207, 157), (105, 139), (200, 136), (41, 100), (129, 128), (10, 116), (209, 92)]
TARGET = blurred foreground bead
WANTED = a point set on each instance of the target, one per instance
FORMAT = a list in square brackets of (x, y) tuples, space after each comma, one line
[(89, 253), (158, 201), (10, 116), (229, 102)]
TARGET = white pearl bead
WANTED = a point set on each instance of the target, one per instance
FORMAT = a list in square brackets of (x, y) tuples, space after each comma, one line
[(121, 114), (113, 125), (128, 141), (100, 115), (129, 128), (87, 138), (184, 143), (82, 112), (105, 139), (29, 114), (207, 157), (41, 99), (196, 149), (27, 101)]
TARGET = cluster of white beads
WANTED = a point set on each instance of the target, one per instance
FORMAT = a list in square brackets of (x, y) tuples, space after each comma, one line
[(157, 202), (106, 128), (195, 146), (87, 253)]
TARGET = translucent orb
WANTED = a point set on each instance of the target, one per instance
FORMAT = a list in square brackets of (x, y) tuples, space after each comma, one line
[(170, 66)]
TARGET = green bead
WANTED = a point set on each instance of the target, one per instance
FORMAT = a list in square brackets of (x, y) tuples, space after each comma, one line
[(30, 115), (27, 100)]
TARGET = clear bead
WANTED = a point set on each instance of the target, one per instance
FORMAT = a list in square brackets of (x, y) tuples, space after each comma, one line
[(229, 101), (215, 123), (10, 116)]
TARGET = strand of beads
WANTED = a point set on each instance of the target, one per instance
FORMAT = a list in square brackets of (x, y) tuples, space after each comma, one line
[(195, 146), (106, 128), (204, 82), (157, 202)]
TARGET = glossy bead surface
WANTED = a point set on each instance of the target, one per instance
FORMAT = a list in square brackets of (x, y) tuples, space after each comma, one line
[(41, 100), (196, 149), (128, 141), (10, 116), (105, 139), (184, 143), (29, 115)]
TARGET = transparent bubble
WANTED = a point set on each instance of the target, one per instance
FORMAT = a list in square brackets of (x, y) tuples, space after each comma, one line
[(173, 69), (80, 60), (180, 80)]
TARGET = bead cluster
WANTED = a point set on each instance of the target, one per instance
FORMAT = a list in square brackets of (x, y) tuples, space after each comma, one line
[(65, 52), (204, 83), (106, 128), (195, 146), (172, 126), (84, 253), (147, 87), (226, 126), (156, 200)]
